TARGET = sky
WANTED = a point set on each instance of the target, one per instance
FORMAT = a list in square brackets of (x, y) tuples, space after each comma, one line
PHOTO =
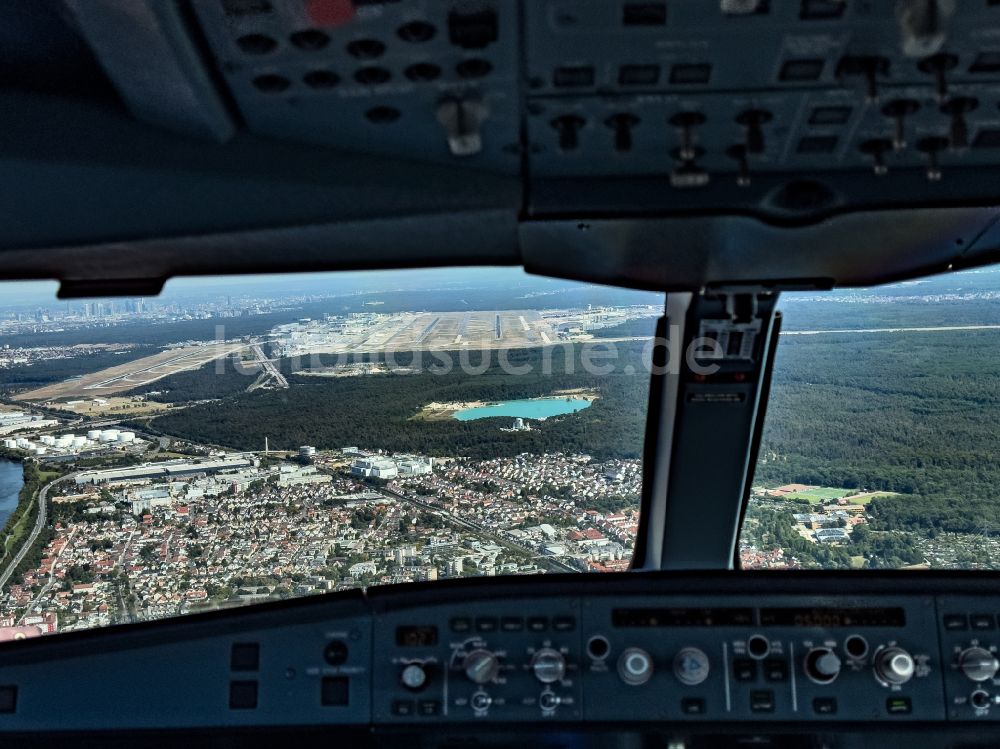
[(43, 293), (18, 293)]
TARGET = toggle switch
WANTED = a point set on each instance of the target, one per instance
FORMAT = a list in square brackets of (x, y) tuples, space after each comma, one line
[(932, 147), (739, 153), (938, 66), (870, 67), (754, 120), (463, 120), (622, 123), (687, 122), (568, 126), (957, 108), (877, 148), (899, 110), (687, 173)]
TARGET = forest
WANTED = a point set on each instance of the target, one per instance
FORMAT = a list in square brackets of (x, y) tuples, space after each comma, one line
[(377, 411), (914, 413)]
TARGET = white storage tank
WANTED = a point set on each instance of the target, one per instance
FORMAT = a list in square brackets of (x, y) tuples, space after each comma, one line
[(109, 435), (48, 439), (23, 443), (79, 441), (94, 435), (64, 440), (10, 444), (126, 437), (39, 450)]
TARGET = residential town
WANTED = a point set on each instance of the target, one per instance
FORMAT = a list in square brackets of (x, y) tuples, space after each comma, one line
[(185, 534)]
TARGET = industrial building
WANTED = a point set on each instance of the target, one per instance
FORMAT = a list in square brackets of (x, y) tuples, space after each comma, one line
[(375, 467), (164, 470)]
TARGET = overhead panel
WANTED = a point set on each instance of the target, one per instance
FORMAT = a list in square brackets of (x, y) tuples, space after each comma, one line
[(423, 80), (708, 96)]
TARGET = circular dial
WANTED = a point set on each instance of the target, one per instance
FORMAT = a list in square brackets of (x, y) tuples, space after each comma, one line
[(481, 701), (978, 664), (413, 676), (549, 665), (691, 666), (635, 666), (481, 666), (822, 665), (894, 665), (980, 699), (549, 701)]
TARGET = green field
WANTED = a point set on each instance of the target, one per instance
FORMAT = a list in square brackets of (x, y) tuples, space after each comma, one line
[(820, 494)]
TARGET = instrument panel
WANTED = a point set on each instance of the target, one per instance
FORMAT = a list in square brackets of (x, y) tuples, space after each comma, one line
[(695, 652)]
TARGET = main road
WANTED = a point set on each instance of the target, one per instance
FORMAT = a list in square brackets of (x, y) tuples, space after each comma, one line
[(469, 525), (40, 520)]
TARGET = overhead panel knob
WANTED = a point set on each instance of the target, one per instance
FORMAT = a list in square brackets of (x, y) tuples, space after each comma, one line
[(978, 664), (822, 665), (549, 665), (568, 127), (413, 677), (738, 152), (754, 120), (923, 25), (462, 120), (481, 666), (622, 123), (635, 666), (687, 122), (870, 67), (898, 110), (957, 108), (932, 148), (938, 66), (894, 665), (691, 666), (877, 148)]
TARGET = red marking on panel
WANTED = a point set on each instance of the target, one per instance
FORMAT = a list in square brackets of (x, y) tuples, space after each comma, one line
[(330, 13)]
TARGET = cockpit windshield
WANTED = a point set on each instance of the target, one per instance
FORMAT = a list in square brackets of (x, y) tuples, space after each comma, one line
[(245, 439), (881, 437)]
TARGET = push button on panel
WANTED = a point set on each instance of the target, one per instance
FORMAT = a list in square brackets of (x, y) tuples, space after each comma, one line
[(428, 708), (403, 707), (512, 624), (956, 622), (563, 624), (982, 621), (825, 705), (898, 706), (762, 701), (744, 669), (242, 695), (486, 624), (775, 670), (461, 624), (335, 691), (8, 699), (693, 706)]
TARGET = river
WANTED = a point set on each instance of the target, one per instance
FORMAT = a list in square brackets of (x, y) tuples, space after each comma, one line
[(11, 481)]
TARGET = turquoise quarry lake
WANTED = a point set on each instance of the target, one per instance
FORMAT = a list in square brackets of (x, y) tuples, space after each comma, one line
[(536, 408)]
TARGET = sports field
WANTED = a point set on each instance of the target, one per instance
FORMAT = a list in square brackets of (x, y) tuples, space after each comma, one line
[(820, 494)]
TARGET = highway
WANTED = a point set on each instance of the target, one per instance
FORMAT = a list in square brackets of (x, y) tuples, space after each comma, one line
[(928, 329), (40, 520)]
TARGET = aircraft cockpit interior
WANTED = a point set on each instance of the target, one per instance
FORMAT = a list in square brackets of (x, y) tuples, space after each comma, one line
[(490, 373)]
